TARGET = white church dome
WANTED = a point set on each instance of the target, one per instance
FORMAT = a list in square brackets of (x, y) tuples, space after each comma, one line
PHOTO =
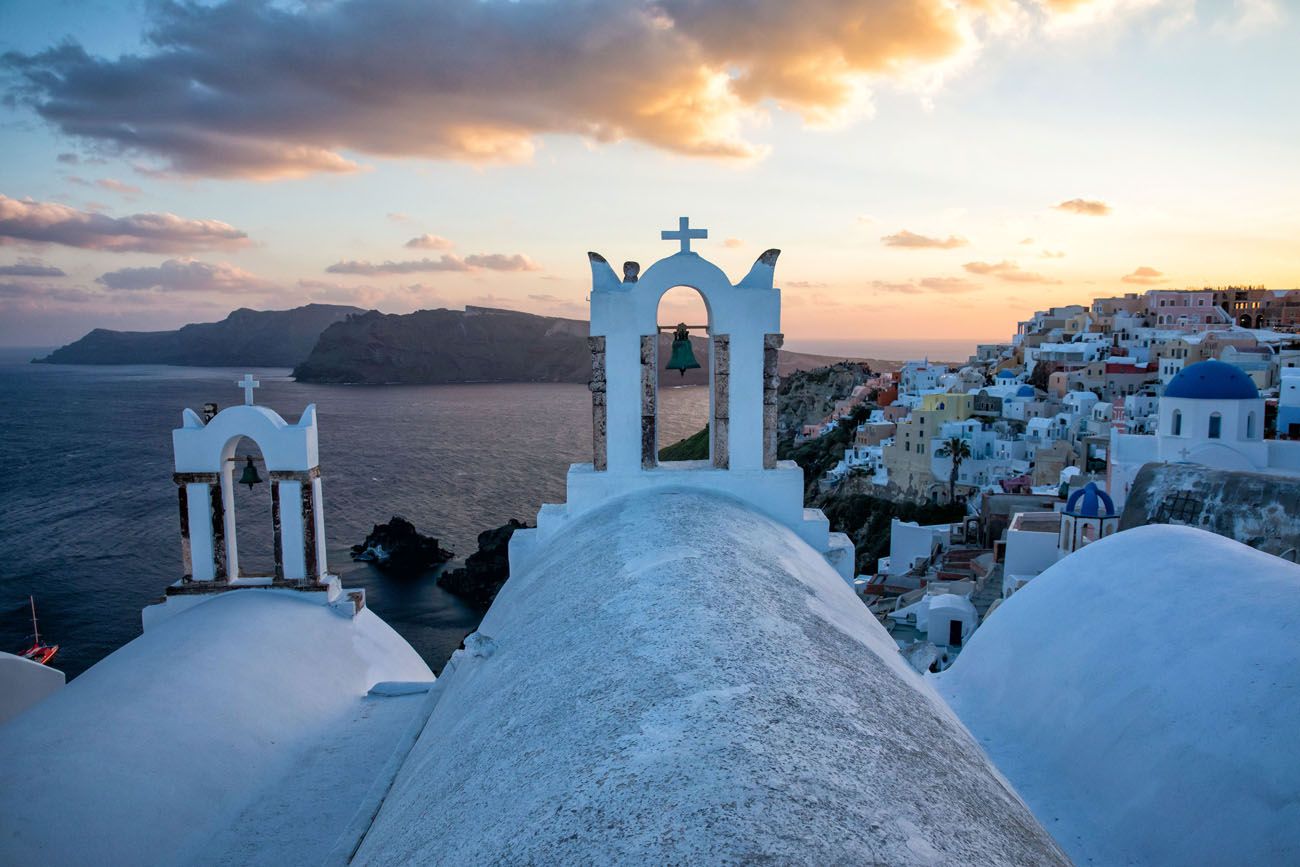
[(1152, 723)]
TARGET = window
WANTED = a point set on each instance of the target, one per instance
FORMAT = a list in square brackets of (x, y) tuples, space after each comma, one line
[(1178, 509), (1216, 425), (1250, 426), (1177, 427)]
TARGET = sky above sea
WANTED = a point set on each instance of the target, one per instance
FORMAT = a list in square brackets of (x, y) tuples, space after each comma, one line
[(931, 169)]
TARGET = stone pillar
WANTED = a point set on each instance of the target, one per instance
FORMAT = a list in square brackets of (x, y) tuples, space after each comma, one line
[(599, 419), (183, 501), (309, 530), (721, 421), (219, 570), (201, 553), (771, 385), (298, 524), (278, 540), (649, 397)]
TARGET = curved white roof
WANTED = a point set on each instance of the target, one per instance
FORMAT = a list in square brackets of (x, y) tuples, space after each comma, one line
[(677, 679), (250, 702), (1142, 694)]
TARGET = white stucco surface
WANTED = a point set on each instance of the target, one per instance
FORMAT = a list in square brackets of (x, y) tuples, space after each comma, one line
[(679, 679), (249, 698), (24, 683), (1142, 695)]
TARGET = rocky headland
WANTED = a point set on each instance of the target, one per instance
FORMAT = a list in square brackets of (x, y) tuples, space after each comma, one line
[(253, 338)]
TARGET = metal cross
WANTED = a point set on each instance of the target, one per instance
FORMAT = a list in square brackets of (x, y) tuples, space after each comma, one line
[(248, 384), (684, 233), (1184, 452)]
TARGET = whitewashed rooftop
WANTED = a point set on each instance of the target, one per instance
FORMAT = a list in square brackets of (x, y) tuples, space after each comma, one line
[(677, 679)]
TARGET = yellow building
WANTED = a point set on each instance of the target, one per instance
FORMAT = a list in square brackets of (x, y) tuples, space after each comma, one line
[(948, 407)]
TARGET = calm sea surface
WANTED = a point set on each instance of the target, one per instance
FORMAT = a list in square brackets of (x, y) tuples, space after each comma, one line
[(88, 519)]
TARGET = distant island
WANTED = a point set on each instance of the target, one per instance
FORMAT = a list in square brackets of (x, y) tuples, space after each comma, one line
[(245, 338), (478, 344), (329, 343)]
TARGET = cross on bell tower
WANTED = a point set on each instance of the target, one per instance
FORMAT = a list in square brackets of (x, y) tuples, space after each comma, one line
[(684, 233), (248, 384)]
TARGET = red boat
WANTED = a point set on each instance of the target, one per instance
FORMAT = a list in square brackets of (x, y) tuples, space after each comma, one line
[(38, 652)]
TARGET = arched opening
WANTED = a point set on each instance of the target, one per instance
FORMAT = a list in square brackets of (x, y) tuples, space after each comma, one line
[(1216, 425), (1259, 321), (249, 513), (684, 403), (1244, 320), (1176, 426)]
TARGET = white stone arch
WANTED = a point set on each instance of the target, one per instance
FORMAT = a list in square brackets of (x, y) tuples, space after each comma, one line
[(204, 475)]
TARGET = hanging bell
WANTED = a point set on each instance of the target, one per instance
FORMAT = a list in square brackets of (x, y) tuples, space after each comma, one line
[(683, 357), (249, 476)]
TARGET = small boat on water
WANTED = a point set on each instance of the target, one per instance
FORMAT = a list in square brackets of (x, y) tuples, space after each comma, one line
[(38, 652)]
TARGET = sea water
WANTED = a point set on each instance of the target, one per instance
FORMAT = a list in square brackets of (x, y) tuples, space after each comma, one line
[(88, 510)]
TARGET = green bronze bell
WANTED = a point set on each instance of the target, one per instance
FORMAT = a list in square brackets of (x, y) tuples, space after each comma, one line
[(249, 476), (683, 358)]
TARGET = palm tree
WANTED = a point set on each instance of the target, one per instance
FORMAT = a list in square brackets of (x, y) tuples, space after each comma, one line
[(959, 450)]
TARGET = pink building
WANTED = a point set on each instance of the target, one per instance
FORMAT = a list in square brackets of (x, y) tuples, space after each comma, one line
[(1185, 310)]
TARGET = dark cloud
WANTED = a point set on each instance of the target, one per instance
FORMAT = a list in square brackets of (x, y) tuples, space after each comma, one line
[(1007, 270), (1145, 276), (446, 262), (1087, 207), (185, 275), (30, 268), (23, 291), (28, 221), (260, 89), (913, 241)]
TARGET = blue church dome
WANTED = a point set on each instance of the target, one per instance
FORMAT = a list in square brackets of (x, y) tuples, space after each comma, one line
[(1006, 374), (1089, 501), (1025, 391), (1212, 380)]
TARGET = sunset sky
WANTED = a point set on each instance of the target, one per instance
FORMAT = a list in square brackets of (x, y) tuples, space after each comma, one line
[(930, 169)]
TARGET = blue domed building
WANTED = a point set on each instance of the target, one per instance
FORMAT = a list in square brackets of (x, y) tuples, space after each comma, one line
[(1088, 515), (1211, 414)]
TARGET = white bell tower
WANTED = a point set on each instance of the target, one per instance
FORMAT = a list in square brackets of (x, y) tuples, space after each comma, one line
[(744, 332)]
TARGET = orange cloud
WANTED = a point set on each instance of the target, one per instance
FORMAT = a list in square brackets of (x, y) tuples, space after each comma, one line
[(1145, 276), (1007, 270), (913, 241), (1087, 207), (477, 81)]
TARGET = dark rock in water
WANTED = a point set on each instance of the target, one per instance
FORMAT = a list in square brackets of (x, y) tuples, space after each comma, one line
[(486, 570), (398, 547)]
